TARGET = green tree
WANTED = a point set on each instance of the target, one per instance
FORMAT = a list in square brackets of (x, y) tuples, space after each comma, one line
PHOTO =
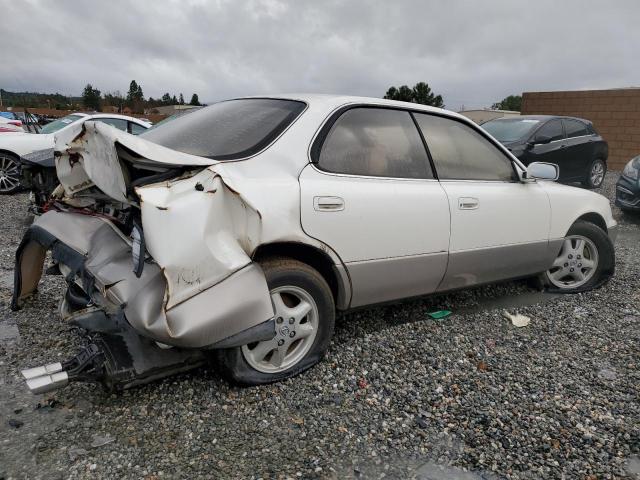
[(194, 99), (512, 102), (181, 100), (174, 100), (114, 99), (91, 98), (420, 93), (166, 99), (135, 97), (392, 94)]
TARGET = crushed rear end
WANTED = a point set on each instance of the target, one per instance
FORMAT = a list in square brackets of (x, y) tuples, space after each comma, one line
[(155, 248)]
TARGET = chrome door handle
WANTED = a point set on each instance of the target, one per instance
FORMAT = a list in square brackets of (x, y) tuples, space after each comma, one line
[(328, 204), (468, 203)]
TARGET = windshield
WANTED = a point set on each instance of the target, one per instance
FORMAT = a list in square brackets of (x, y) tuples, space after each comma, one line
[(511, 129), (227, 130), (60, 123)]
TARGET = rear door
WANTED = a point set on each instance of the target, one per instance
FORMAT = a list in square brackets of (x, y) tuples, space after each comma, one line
[(499, 225), (371, 196), (580, 148)]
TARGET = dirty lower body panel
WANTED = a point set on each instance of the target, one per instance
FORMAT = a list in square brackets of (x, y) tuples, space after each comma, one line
[(131, 337)]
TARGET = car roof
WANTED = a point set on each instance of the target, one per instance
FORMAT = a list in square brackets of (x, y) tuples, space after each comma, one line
[(335, 101), (542, 118), (114, 115)]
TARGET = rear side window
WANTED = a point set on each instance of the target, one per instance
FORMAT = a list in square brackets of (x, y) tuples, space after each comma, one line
[(119, 123), (575, 128), (375, 142), (551, 129), (227, 130), (461, 153)]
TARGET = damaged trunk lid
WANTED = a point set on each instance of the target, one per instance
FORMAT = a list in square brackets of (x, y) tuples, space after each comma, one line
[(96, 154)]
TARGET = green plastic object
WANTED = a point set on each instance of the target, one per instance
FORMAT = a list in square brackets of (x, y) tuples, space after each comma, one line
[(440, 314)]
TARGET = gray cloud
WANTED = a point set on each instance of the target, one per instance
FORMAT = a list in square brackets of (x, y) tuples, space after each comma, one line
[(471, 52)]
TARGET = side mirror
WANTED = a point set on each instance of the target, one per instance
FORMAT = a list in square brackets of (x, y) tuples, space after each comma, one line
[(541, 139), (542, 171)]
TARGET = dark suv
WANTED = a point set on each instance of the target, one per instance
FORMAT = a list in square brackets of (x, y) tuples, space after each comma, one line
[(571, 143)]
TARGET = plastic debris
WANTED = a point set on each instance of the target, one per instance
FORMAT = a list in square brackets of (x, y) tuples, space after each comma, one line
[(517, 320), (440, 314), (99, 441)]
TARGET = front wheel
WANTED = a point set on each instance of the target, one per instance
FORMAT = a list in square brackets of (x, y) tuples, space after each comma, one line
[(595, 177), (586, 260), (304, 320)]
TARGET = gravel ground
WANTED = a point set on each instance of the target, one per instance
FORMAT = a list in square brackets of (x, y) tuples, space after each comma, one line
[(399, 395)]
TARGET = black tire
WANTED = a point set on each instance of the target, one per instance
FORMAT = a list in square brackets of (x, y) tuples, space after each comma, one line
[(10, 174), (606, 258), (281, 272), (588, 182)]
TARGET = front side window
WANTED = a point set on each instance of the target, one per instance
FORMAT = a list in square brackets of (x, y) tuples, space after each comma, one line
[(575, 128), (227, 130), (510, 129), (551, 131), (375, 142), (461, 153)]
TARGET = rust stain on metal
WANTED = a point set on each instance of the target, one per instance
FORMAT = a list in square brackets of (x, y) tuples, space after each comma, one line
[(212, 191)]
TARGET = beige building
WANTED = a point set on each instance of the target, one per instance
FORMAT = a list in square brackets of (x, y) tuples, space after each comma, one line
[(481, 116)]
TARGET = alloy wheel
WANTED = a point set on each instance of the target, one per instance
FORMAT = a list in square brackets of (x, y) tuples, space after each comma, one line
[(296, 327), (597, 174), (9, 174), (576, 263)]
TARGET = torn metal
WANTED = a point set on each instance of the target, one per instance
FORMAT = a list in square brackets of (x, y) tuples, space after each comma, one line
[(155, 245)]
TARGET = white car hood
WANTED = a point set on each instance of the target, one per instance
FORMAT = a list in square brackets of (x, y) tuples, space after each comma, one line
[(86, 155)]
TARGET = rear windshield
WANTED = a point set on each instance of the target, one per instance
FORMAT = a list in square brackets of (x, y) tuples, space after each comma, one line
[(510, 130), (227, 130)]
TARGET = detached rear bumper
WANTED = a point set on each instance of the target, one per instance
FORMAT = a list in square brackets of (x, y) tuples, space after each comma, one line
[(96, 259)]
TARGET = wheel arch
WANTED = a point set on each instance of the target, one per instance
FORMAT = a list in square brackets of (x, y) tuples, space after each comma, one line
[(595, 218), (9, 152), (335, 275)]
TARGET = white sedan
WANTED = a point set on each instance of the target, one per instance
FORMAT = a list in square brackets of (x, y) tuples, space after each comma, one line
[(16, 144), (241, 228)]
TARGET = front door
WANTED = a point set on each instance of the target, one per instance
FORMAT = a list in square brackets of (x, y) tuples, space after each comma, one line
[(371, 196), (553, 150), (499, 225)]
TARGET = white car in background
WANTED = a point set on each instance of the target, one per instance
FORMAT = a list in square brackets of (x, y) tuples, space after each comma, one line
[(241, 228), (14, 145), (10, 125)]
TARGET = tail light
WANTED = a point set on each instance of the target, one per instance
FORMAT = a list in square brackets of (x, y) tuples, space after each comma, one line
[(17, 123)]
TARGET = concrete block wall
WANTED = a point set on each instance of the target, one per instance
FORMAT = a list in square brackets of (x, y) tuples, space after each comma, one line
[(615, 114)]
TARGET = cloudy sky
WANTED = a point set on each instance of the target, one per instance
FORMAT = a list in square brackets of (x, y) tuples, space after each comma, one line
[(472, 52)]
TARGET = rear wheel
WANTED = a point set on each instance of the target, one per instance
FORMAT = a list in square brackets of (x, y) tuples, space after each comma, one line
[(596, 174), (586, 259), (9, 173), (304, 320)]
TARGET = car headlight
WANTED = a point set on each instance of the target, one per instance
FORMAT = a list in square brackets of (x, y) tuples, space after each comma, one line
[(138, 251), (632, 169)]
